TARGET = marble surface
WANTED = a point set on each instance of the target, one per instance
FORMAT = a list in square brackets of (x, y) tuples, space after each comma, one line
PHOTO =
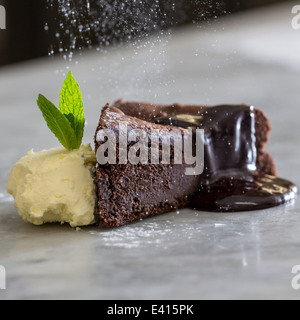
[(251, 57)]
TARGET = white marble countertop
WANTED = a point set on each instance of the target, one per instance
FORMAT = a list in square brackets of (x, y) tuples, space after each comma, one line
[(251, 57)]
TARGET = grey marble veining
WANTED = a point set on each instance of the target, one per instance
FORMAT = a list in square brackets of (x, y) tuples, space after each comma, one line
[(252, 57)]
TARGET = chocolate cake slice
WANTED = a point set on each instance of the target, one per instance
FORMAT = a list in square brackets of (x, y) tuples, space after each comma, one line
[(129, 192), (235, 137)]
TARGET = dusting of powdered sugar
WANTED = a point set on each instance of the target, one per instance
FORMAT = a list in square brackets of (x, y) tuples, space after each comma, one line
[(158, 232), (101, 23), (135, 235), (134, 31), (137, 33)]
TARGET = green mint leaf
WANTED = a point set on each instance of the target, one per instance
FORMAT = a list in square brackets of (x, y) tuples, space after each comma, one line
[(71, 105), (58, 124), (71, 119)]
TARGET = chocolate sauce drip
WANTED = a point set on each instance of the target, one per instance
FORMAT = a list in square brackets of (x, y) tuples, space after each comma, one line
[(243, 191), (230, 181)]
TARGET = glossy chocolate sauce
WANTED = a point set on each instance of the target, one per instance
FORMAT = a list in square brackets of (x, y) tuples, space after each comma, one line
[(230, 181)]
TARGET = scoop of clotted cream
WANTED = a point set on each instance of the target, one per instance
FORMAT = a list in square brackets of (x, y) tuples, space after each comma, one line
[(55, 186)]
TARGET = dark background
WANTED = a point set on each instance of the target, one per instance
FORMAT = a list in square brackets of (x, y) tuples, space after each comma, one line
[(25, 36)]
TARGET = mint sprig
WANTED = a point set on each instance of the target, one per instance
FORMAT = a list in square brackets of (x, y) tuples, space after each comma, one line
[(71, 105), (67, 122)]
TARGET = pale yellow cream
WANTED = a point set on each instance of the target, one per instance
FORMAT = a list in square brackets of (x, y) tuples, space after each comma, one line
[(55, 186)]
